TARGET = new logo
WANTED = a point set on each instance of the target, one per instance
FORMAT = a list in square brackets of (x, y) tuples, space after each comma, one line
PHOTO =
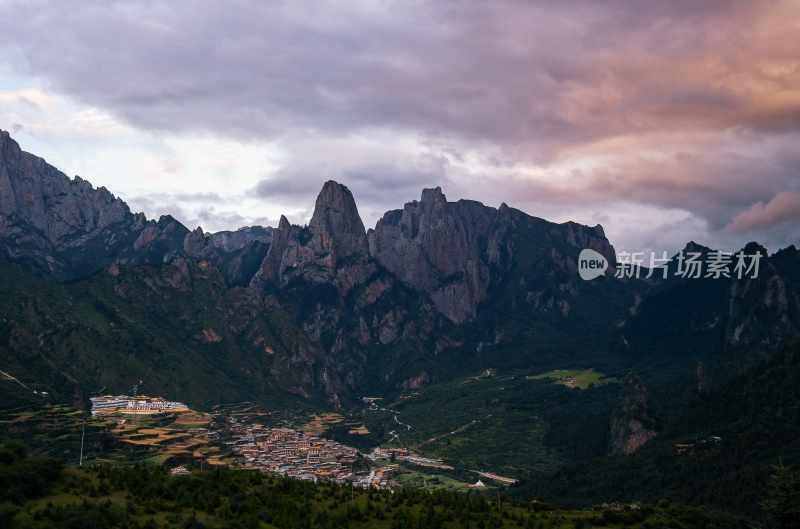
[(591, 264)]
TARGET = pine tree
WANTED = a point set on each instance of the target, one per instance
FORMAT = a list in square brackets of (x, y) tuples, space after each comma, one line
[(782, 503)]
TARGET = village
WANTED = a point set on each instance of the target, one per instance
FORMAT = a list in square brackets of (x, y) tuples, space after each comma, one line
[(239, 437), (299, 455), (295, 454)]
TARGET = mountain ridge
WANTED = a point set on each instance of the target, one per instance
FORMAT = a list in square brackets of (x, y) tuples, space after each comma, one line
[(435, 288)]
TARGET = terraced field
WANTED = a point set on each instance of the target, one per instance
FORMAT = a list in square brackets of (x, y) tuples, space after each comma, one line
[(319, 424), (56, 430), (575, 379), (182, 437)]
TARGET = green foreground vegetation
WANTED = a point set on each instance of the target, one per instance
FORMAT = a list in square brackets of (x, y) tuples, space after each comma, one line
[(41, 493)]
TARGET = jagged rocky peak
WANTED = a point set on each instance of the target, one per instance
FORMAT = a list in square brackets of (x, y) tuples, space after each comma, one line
[(231, 241), (455, 251), (238, 254), (40, 195), (694, 247), (56, 224), (70, 229), (336, 224), (752, 248), (196, 242), (270, 271), (200, 243), (157, 240), (433, 196), (333, 248), (581, 236)]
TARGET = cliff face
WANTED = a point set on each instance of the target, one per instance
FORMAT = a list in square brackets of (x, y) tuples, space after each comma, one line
[(441, 248), (417, 282), (56, 224), (454, 251), (336, 227), (631, 424), (363, 317), (331, 249), (238, 254), (763, 311), (732, 323)]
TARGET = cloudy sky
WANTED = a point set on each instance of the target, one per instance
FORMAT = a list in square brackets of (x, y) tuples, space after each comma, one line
[(662, 121)]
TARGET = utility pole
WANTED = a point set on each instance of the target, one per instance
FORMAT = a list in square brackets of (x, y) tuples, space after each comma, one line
[(83, 435)]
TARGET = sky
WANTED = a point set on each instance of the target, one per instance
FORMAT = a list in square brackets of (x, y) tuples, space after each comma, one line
[(663, 121)]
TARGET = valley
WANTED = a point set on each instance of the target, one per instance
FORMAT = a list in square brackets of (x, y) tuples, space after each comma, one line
[(496, 426), (450, 355), (243, 436), (506, 421)]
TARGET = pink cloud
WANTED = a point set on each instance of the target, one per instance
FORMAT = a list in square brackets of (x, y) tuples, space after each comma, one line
[(784, 207)]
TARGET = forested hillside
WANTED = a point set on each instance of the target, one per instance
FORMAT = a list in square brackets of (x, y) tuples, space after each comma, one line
[(40, 494), (720, 452)]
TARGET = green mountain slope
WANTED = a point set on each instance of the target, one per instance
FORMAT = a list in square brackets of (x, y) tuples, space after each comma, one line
[(720, 452), (177, 328)]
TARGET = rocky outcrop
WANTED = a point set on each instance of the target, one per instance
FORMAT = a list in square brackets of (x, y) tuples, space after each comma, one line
[(454, 251), (231, 241), (208, 245), (331, 249), (336, 227), (729, 323), (343, 299), (631, 424), (238, 254), (763, 311), (386, 303), (440, 248), (56, 224), (158, 242)]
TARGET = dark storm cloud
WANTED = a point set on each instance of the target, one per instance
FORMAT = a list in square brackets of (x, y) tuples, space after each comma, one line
[(539, 82), (508, 71)]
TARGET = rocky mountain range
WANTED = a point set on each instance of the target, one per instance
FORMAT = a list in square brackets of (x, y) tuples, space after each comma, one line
[(99, 296)]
